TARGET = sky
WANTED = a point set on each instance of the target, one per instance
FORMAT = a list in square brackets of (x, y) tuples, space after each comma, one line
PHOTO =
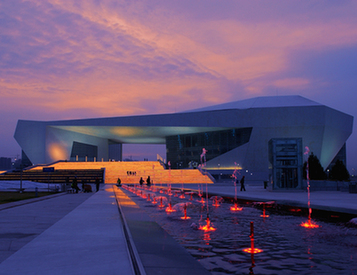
[(72, 59)]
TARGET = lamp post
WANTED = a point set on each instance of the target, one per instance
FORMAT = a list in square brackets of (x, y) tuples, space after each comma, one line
[(21, 178)]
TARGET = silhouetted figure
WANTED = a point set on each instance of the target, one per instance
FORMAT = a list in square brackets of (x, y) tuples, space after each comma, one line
[(141, 181), (242, 184), (75, 184), (67, 183), (119, 182), (148, 181), (97, 183), (83, 184)]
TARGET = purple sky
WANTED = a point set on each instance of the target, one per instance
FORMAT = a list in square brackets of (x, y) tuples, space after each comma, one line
[(66, 59)]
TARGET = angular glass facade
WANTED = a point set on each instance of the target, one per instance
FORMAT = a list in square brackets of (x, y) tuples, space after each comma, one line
[(183, 149), (83, 152)]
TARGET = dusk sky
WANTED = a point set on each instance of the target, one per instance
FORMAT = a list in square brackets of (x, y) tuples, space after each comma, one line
[(69, 59)]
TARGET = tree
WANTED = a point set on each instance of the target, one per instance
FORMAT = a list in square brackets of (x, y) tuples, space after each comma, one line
[(316, 171), (339, 171)]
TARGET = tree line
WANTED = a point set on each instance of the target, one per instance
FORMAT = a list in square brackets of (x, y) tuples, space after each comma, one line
[(316, 172)]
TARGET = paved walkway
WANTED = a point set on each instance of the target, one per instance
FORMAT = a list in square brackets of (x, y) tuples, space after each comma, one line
[(67, 234), (337, 201)]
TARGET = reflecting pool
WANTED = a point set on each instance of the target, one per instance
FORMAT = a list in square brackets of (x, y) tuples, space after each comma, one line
[(287, 247)]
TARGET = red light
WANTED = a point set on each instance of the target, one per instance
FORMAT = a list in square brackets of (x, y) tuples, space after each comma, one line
[(309, 224), (185, 212), (236, 208), (254, 251), (208, 226), (264, 216), (169, 209)]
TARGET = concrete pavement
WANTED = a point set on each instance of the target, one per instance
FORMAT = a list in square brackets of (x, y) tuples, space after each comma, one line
[(335, 201), (68, 234)]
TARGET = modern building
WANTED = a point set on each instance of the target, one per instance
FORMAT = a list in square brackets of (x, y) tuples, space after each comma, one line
[(235, 135)]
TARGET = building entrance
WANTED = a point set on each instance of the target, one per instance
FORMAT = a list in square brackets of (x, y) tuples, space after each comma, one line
[(285, 155)]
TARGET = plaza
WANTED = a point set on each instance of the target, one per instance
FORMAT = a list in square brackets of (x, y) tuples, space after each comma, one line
[(85, 232)]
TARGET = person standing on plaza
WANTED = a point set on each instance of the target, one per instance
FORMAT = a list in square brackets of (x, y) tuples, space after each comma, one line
[(119, 182), (97, 183), (242, 187), (75, 184)]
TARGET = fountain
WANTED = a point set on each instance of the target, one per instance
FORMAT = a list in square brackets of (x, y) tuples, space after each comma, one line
[(287, 247), (252, 249), (182, 196), (190, 193), (235, 179), (216, 200), (162, 201), (185, 213), (309, 223), (169, 209), (208, 226), (182, 207)]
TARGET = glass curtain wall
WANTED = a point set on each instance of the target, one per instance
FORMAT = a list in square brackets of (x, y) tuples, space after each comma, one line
[(185, 150)]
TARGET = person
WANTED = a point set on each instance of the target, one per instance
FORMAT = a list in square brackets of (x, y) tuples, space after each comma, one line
[(242, 184), (148, 181), (97, 183), (119, 182), (67, 183), (141, 181), (83, 184), (75, 184)]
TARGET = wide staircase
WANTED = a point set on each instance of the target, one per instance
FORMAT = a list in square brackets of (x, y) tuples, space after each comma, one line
[(129, 172), (56, 176)]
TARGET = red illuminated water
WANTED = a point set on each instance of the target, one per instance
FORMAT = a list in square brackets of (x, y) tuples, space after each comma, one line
[(236, 208), (287, 247), (185, 217), (309, 223), (207, 227)]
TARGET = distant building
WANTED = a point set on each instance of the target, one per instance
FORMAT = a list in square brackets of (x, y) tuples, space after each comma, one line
[(236, 135), (5, 163)]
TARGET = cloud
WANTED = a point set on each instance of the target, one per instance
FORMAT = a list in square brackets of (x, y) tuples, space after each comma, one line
[(62, 59)]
